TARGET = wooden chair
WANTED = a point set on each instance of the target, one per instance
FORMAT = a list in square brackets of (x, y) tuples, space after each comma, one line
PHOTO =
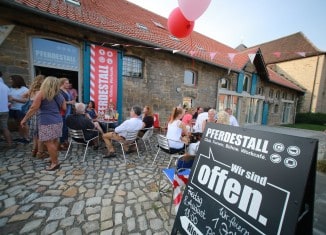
[(77, 137), (163, 145), (130, 140)]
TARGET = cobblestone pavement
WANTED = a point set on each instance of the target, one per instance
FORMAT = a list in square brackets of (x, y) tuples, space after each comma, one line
[(98, 196)]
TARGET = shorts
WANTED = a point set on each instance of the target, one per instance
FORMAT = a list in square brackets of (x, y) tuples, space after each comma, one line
[(16, 114), (4, 120)]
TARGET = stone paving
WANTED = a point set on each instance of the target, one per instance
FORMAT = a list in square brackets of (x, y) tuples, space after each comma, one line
[(98, 196)]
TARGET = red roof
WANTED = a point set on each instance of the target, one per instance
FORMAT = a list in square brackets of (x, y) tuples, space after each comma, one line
[(278, 79), (292, 47), (127, 20)]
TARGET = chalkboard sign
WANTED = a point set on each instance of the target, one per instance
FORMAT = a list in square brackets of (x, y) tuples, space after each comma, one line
[(249, 182)]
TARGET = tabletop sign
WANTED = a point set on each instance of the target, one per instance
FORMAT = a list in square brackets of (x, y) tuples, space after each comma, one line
[(246, 182)]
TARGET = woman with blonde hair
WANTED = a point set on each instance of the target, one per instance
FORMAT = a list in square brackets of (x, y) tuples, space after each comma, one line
[(48, 103), (37, 149), (223, 118), (177, 132)]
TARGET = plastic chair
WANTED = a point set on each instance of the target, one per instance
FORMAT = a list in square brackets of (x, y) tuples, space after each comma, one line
[(77, 137), (163, 145), (130, 139)]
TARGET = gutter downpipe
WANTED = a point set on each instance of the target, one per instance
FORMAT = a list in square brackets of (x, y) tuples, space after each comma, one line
[(314, 84)]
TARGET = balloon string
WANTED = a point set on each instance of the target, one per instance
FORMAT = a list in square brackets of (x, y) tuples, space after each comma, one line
[(193, 61)]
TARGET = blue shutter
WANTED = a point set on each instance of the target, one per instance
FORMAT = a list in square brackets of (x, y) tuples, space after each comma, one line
[(86, 73), (253, 84), (240, 82)]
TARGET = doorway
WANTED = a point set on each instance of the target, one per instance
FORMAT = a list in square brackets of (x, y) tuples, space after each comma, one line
[(59, 73)]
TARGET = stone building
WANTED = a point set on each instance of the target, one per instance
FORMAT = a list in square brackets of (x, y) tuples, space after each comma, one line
[(144, 63), (296, 58)]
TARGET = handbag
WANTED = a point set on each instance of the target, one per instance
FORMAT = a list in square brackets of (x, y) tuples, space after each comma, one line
[(26, 106)]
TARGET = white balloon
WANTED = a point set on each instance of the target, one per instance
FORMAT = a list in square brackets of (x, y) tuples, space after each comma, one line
[(193, 9)]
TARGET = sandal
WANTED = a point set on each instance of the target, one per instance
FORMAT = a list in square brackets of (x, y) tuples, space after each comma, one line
[(52, 168), (42, 155), (34, 152)]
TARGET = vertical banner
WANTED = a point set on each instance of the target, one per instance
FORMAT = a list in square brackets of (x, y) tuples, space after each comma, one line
[(103, 77), (249, 182)]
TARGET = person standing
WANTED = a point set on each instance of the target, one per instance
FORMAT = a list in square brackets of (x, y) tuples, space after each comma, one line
[(233, 120), (64, 90), (4, 112), (37, 149), (17, 99), (48, 102)]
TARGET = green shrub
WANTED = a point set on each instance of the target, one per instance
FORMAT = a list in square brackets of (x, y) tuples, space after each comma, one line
[(321, 165), (312, 118)]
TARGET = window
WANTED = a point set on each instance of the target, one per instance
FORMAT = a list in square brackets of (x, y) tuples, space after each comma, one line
[(261, 91), (277, 95), (224, 83), (132, 67), (190, 78), (246, 83), (74, 2), (253, 112), (276, 108), (271, 93)]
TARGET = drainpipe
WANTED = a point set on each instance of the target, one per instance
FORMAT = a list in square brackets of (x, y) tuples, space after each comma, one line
[(314, 84)]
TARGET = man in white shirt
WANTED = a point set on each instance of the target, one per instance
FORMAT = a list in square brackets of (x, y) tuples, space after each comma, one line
[(199, 121), (4, 112), (233, 120), (120, 132)]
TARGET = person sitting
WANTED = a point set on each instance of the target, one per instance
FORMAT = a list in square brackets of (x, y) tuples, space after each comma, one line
[(187, 118), (233, 120), (199, 121), (90, 110), (79, 121), (210, 118), (148, 120), (188, 158), (223, 118), (120, 132), (177, 132)]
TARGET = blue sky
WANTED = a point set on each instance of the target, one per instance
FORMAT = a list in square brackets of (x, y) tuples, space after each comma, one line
[(253, 22)]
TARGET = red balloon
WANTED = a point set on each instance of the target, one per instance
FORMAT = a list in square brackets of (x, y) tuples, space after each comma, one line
[(178, 25)]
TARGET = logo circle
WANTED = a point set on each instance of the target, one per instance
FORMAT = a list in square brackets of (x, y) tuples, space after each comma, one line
[(278, 147), (293, 151), (290, 162)]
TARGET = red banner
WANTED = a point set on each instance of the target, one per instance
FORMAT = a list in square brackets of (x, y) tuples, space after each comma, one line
[(104, 77)]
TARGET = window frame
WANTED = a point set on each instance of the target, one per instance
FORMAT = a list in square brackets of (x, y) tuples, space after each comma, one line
[(194, 78), (135, 69)]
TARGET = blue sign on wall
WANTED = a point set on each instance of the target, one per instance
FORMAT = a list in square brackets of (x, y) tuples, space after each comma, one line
[(54, 54)]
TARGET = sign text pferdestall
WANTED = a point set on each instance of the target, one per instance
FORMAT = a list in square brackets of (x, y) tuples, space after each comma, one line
[(248, 182)]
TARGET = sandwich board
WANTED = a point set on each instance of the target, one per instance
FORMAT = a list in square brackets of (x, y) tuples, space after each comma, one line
[(249, 182)]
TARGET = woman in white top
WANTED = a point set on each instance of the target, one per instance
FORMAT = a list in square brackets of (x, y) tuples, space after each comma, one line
[(176, 129), (17, 99)]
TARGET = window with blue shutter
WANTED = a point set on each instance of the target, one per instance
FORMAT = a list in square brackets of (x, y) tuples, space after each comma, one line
[(240, 82), (253, 84)]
